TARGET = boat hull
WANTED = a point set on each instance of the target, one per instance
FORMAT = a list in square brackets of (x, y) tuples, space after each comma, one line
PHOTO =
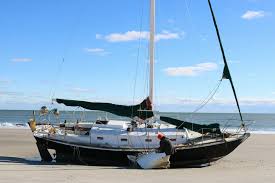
[(205, 153), (184, 156)]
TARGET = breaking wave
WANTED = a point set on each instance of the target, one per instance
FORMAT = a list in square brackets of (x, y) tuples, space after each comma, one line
[(14, 125)]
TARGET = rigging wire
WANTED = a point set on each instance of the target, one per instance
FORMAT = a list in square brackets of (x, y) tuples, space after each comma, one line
[(193, 26), (59, 70), (209, 97), (137, 66), (146, 82), (138, 55), (204, 102), (146, 71), (68, 41), (187, 5), (69, 37), (214, 91)]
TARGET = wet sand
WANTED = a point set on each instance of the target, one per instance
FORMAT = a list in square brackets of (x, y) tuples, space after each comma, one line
[(253, 161)]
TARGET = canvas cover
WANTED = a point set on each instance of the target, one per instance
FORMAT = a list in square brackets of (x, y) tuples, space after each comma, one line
[(142, 110), (211, 128)]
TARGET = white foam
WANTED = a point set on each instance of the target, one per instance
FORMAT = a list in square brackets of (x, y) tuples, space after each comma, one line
[(253, 131), (14, 125), (268, 132)]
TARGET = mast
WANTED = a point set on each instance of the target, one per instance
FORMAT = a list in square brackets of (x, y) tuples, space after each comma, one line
[(152, 50), (226, 72)]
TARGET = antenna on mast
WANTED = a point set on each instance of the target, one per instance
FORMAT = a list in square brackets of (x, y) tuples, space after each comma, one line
[(152, 51)]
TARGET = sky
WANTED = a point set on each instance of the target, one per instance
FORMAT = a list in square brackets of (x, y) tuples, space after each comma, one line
[(98, 51)]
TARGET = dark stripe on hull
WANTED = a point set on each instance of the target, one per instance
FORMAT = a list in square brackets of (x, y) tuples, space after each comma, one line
[(192, 155)]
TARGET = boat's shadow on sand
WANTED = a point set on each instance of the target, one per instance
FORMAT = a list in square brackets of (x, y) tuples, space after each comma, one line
[(10, 159), (37, 161)]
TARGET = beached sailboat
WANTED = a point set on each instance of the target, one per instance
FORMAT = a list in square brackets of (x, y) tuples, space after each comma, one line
[(110, 142)]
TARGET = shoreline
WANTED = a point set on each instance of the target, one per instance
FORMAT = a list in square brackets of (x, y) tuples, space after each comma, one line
[(252, 161)]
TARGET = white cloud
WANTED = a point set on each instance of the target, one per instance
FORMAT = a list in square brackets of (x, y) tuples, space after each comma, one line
[(217, 101), (5, 81), (94, 50), (97, 51), (15, 97), (98, 36), (262, 101), (249, 15), (136, 35), (81, 90), (191, 70), (10, 93), (165, 35), (21, 60), (171, 21), (127, 36)]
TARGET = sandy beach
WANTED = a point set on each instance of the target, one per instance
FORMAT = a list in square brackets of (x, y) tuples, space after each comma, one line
[(252, 162)]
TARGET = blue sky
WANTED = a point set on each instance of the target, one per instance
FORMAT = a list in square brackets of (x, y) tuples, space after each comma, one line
[(105, 49)]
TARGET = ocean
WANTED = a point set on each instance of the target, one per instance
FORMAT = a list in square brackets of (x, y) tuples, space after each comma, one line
[(256, 123)]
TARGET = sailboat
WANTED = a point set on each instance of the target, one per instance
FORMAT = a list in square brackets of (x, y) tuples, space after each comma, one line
[(110, 142)]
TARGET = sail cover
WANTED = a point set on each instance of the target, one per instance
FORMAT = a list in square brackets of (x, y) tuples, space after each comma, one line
[(211, 128), (142, 110)]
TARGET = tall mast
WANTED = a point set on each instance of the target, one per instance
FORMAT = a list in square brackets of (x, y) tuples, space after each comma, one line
[(226, 72), (152, 50)]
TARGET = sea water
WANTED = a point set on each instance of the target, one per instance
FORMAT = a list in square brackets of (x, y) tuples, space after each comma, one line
[(256, 123)]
